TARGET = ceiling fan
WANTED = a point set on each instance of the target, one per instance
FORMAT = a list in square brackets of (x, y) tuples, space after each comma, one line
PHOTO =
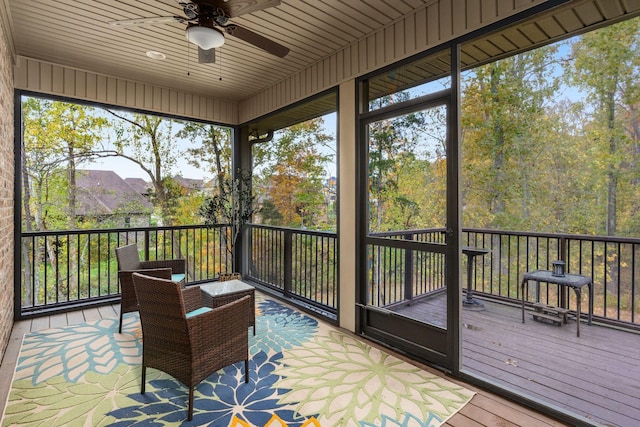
[(208, 20)]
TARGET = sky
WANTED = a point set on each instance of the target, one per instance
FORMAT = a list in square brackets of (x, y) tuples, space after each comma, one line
[(128, 169)]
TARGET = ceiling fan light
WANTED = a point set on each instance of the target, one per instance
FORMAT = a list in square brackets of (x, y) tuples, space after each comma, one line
[(205, 37)]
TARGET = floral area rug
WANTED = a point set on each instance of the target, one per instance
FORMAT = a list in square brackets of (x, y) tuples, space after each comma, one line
[(303, 373)]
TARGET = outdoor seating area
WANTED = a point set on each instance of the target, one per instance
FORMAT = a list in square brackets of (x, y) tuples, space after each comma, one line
[(320, 212), (485, 408), (186, 338)]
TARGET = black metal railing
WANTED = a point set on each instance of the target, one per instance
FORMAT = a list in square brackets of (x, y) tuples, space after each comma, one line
[(301, 264), (67, 268), (612, 263), (79, 267), (400, 270), (62, 268)]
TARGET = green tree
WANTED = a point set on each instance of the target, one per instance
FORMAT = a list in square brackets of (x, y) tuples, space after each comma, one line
[(213, 152), (606, 65), (291, 173), (406, 172), (57, 137), (232, 206), (148, 141), (506, 138)]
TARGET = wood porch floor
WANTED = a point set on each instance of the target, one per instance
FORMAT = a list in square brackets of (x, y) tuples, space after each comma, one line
[(596, 375), (485, 409)]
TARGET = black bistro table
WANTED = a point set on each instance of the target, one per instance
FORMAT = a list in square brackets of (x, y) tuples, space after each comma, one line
[(470, 303), (574, 281)]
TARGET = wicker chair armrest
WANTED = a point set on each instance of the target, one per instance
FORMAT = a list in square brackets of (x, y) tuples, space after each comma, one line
[(161, 273), (227, 325), (125, 275), (177, 266), (191, 297)]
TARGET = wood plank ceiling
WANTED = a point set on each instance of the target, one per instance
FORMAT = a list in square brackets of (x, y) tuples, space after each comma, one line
[(556, 24), (77, 33)]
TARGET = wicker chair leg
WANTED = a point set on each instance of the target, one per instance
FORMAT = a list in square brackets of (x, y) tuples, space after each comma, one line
[(144, 379), (120, 325), (246, 371), (190, 414)]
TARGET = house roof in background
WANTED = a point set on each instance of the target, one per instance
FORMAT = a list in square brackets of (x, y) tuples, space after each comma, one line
[(189, 183), (139, 184), (105, 193)]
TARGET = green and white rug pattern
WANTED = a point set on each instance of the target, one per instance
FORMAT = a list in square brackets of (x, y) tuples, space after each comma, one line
[(303, 373)]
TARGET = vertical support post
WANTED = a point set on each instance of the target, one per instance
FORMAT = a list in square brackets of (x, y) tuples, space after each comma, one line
[(241, 159), (288, 261), (408, 271), (17, 211), (453, 252), (146, 245), (562, 256)]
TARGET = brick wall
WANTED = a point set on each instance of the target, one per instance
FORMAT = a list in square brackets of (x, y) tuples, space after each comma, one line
[(7, 177)]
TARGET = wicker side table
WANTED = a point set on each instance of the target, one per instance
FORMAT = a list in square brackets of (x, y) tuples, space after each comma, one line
[(216, 294)]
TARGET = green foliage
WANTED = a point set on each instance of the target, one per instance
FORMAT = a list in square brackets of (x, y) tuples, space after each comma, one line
[(551, 143), (213, 152), (290, 176), (406, 171), (57, 137)]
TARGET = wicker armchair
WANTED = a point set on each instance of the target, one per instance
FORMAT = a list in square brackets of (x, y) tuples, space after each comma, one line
[(186, 340), (129, 262)]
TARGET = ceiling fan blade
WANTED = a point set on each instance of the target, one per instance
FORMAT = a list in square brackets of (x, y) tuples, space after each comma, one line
[(257, 40), (235, 8), (206, 56), (146, 21)]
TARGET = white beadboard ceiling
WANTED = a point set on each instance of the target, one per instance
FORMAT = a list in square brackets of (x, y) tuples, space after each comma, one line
[(77, 33)]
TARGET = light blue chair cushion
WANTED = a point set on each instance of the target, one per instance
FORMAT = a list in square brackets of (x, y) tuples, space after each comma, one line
[(198, 311), (177, 277)]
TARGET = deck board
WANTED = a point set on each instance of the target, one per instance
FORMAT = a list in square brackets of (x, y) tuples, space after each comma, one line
[(484, 410), (510, 411), (75, 317), (58, 320), (91, 314), (595, 375), (40, 323)]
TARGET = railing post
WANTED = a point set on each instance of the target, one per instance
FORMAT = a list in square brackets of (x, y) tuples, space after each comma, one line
[(408, 271), (562, 256), (146, 245), (288, 261), (562, 249)]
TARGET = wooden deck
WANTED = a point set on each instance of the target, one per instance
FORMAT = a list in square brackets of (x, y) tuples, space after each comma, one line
[(485, 409), (596, 375)]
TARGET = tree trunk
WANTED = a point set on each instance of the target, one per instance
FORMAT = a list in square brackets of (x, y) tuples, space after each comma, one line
[(612, 177), (498, 204), (71, 179), (28, 226)]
